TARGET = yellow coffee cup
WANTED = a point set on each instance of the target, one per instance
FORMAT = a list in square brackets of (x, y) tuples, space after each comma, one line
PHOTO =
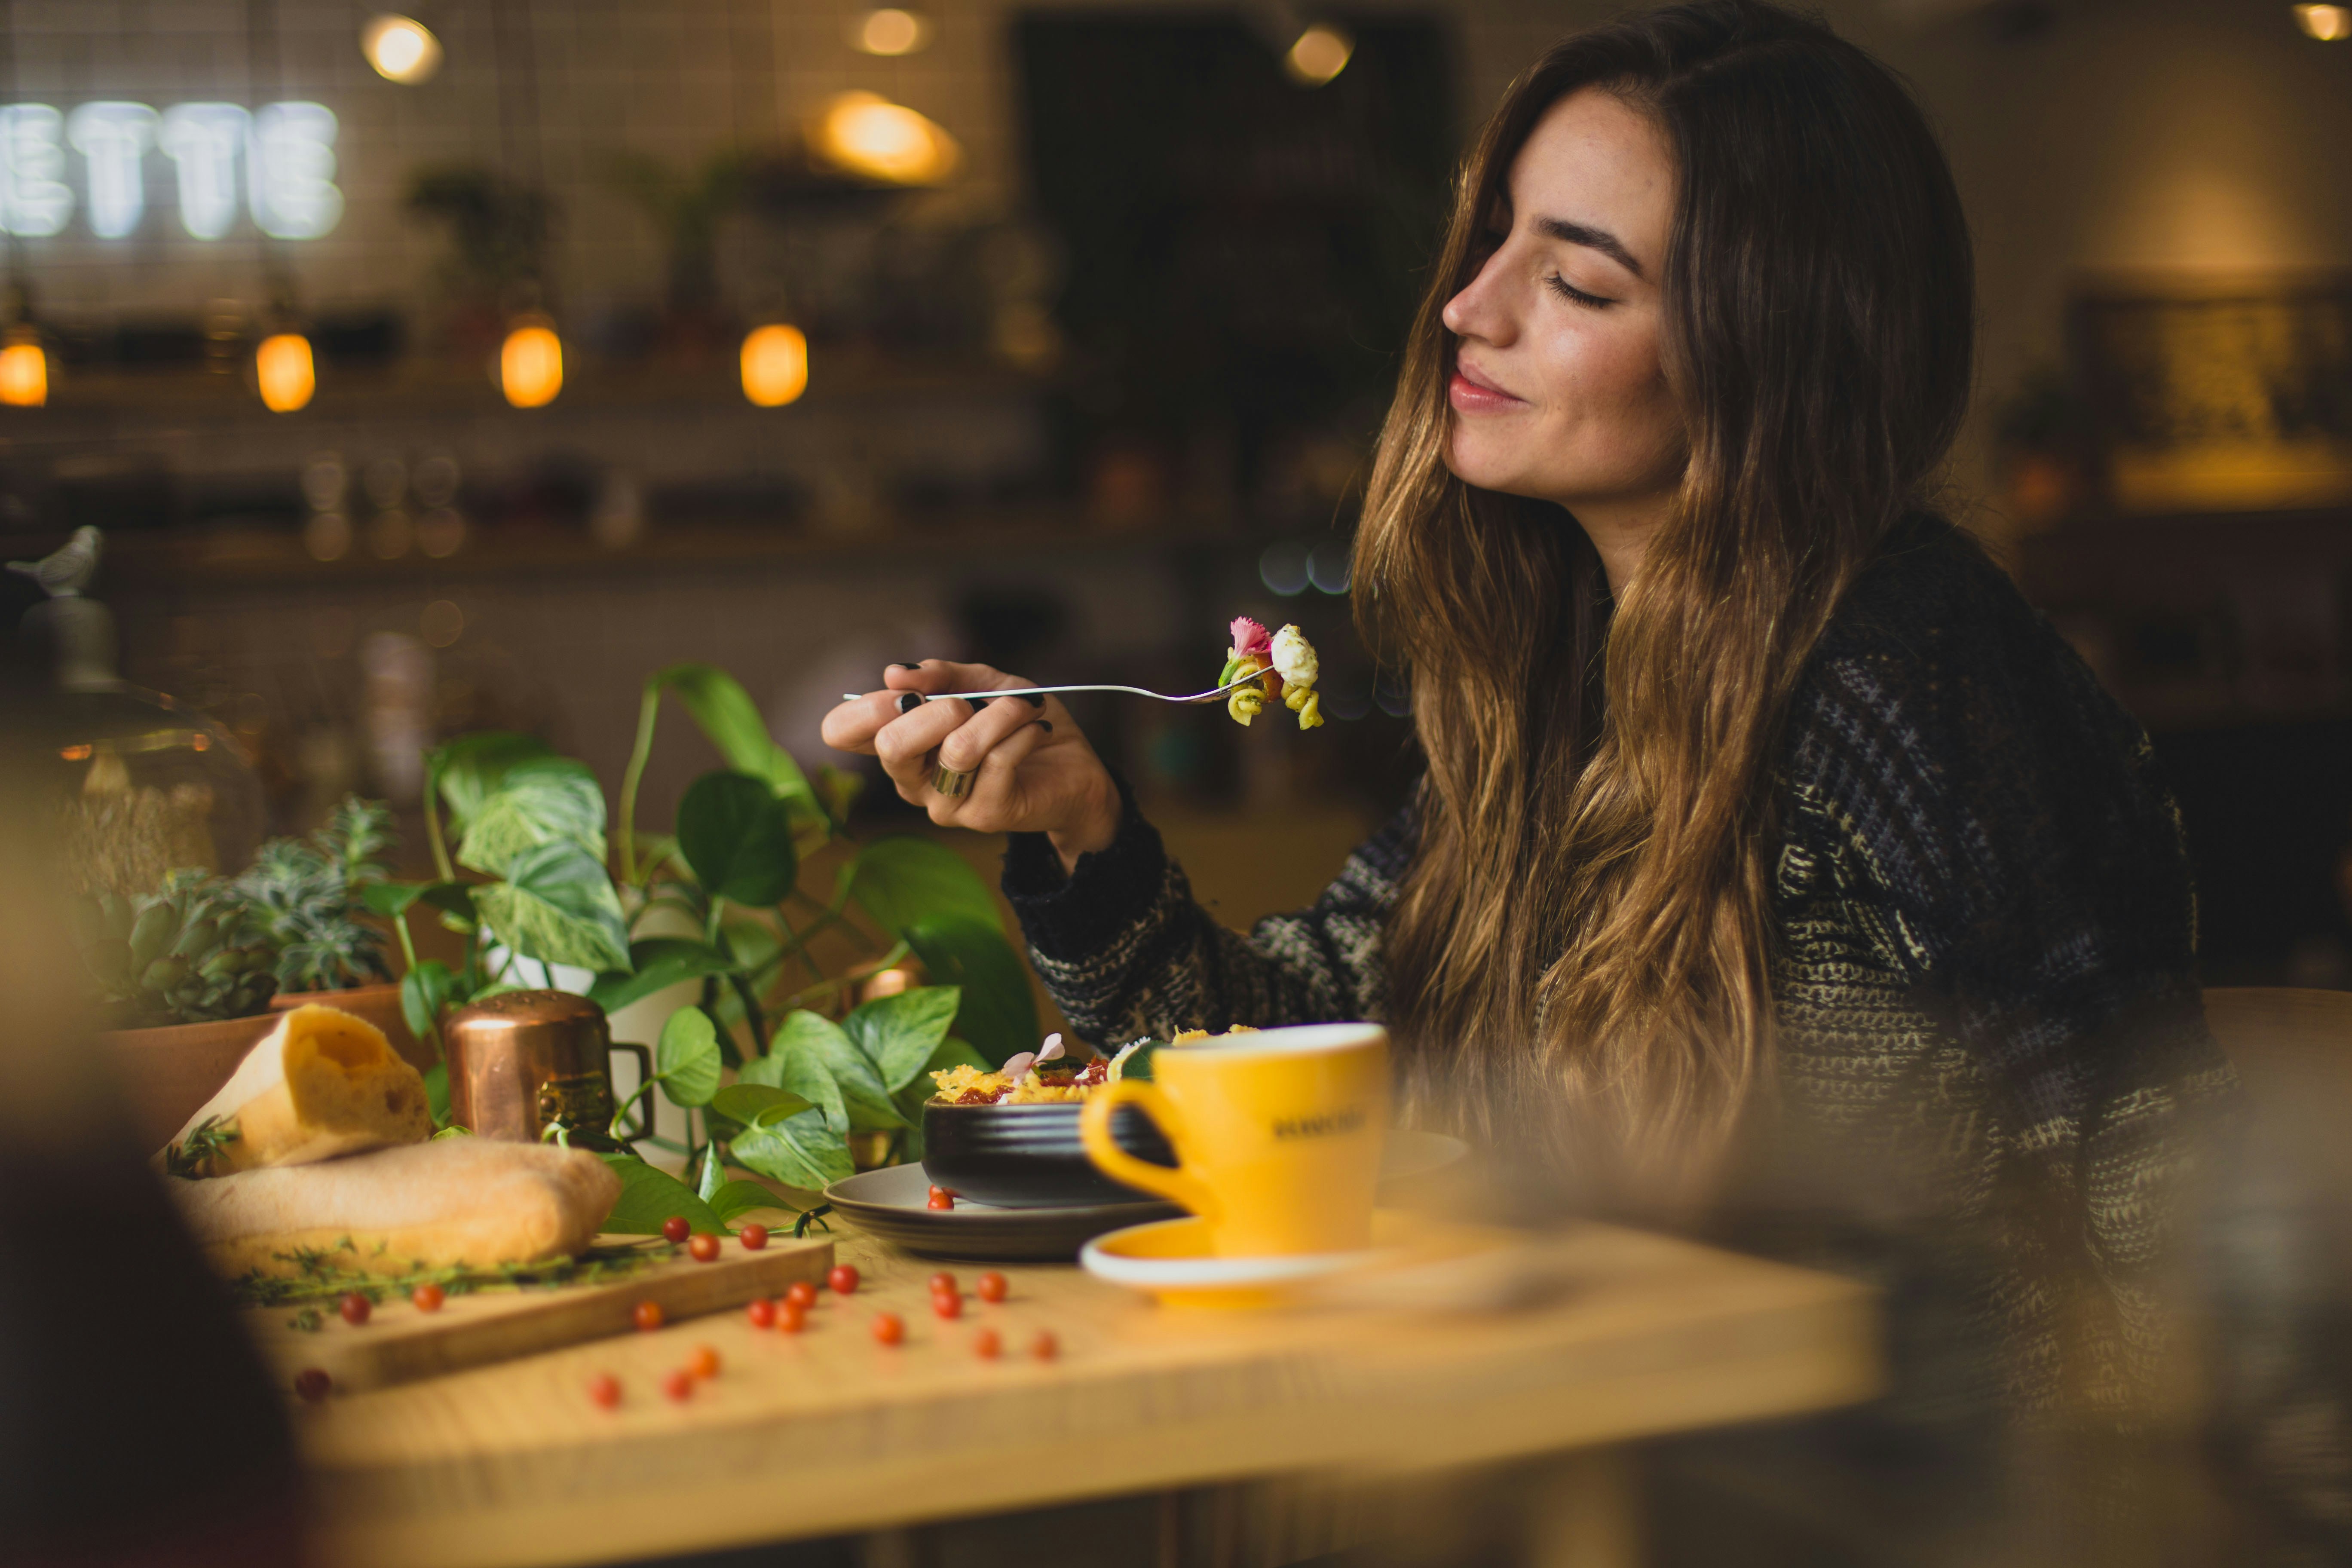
[(1278, 1135)]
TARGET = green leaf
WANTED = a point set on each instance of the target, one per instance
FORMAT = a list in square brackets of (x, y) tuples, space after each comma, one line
[(902, 879), (470, 767), (802, 1073), (1000, 1011), (953, 1052), (436, 1093), (899, 1033), (737, 837), (424, 993), (390, 899), (738, 1198), (709, 1187), (802, 1151), (543, 800), (649, 1197), (557, 905), (686, 1062), (728, 716), (750, 1103), (805, 1036), (658, 963)]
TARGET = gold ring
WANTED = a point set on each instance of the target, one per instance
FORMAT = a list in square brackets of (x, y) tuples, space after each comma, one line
[(951, 783)]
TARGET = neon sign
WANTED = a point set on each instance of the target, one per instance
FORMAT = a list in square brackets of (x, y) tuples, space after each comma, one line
[(287, 150)]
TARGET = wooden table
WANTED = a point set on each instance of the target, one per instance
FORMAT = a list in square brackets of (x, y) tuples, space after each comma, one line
[(830, 1432)]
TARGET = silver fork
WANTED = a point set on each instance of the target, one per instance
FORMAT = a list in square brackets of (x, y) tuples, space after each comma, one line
[(1055, 691)]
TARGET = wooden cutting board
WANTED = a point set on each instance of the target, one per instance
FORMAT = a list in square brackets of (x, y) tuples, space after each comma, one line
[(399, 1343)]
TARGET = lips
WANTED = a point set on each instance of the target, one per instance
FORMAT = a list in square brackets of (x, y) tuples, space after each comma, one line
[(1471, 393)]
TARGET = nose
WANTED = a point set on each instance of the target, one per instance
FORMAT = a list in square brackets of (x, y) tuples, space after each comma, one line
[(1480, 311)]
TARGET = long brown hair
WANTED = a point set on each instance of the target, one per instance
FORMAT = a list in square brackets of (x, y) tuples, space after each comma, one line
[(1583, 943)]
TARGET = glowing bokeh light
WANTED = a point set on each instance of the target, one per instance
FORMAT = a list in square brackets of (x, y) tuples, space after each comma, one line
[(2328, 24), (284, 372), (400, 49), (24, 372), (775, 364), (531, 365), (867, 135), (1321, 53), (890, 31)]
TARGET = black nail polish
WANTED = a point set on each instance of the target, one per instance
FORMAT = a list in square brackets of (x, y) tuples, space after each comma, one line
[(1036, 698), (1046, 725), (907, 664), (979, 702), (909, 701)]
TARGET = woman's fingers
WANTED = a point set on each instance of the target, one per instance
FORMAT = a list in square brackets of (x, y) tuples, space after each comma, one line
[(977, 737), (993, 804), (852, 725)]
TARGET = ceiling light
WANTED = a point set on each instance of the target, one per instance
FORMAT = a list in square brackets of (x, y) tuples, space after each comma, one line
[(775, 364), (284, 372), (400, 49), (1320, 54), (530, 362), (2328, 24), (889, 31), (865, 135)]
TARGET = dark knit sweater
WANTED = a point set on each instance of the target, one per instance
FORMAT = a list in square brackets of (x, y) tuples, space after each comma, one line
[(1989, 1032)]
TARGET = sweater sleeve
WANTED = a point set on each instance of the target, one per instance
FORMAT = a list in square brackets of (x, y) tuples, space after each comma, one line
[(1126, 951)]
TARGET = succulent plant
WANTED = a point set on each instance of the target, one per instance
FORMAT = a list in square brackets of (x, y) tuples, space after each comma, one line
[(188, 953), (306, 893)]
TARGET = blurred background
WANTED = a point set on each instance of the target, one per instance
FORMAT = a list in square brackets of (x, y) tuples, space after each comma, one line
[(457, 369)]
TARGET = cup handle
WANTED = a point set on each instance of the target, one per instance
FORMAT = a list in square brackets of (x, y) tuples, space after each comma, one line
[(644, 1086), (1094, 1132)]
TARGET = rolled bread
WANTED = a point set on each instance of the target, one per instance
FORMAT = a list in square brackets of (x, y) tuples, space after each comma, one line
[(473, 1201), (320, 1084)]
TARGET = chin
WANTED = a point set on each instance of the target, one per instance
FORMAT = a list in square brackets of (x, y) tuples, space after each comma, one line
[(1467, 467)]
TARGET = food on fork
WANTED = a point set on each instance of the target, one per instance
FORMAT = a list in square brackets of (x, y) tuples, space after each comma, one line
[(1286, 666)]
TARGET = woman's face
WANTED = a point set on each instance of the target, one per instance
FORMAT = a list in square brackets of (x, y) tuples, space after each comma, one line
[(1558, 390)]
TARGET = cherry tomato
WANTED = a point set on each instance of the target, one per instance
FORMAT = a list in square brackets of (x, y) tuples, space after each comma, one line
[(647, 1316), (754, 1237), (940, 1198), (679, 1384), (791, 1318), (312, 1384), (605, 1389), (763, 1313), (1044, 1347), (355, 1309), (943, 1281), (992, 1287), (704, 1247), (844, 1279), (675, 1227), (947, 1303), (703, 1362), (987, 1345), (889, 1328), (428, 1298), (801, 1294)]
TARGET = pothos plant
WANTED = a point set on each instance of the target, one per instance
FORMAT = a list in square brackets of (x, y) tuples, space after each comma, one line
[(774, 1067)]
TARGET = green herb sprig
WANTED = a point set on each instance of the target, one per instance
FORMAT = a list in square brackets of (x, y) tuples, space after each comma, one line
[(319, 1277)]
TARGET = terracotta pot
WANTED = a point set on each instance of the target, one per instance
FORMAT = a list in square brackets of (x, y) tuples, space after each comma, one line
[(166, 1073), (379, 1005)]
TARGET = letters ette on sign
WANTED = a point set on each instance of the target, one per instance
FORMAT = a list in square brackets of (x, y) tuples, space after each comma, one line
[(288, 149)]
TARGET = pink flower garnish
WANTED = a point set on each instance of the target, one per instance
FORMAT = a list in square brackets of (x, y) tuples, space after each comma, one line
[(1249, 637), (1017, 1067)]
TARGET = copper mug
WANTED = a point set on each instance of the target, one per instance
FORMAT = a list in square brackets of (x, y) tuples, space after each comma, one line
[(527, 1060)]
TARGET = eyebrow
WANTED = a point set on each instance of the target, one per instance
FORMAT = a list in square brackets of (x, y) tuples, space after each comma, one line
[(1599, 239)]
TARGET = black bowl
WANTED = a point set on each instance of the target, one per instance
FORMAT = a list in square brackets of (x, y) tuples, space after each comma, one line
[(1029, 1156)]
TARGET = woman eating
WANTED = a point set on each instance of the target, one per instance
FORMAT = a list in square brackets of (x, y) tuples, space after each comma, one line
[(1772, 851)]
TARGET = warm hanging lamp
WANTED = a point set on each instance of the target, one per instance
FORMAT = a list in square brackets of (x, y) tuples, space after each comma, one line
[(284, 372), (775, 364), (531, 362), (23, 362)]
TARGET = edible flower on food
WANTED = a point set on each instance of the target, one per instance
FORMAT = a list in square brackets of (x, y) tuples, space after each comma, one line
[(1284, 667)]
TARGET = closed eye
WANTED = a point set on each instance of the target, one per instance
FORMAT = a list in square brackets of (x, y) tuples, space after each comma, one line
[(1576, 295)]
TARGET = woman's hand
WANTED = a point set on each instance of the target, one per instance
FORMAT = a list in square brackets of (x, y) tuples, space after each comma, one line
[(1033, 770)]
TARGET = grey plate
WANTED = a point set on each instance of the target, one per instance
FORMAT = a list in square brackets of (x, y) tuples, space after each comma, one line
[(891, 1204)]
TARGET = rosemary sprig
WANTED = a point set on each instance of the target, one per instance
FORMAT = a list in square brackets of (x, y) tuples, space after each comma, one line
[(318, 1277), (193, 1156)]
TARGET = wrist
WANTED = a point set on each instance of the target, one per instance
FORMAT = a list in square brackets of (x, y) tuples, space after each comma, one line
[(1095, 828)]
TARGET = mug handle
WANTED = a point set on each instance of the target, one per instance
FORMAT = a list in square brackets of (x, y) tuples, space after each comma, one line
[(644, 1086), (1094, 1131)]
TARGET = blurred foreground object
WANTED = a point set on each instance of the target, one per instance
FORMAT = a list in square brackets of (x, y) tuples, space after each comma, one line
[(135, 1426)]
